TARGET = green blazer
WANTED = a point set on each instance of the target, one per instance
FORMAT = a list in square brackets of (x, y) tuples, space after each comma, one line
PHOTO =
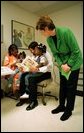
[(67, 50)]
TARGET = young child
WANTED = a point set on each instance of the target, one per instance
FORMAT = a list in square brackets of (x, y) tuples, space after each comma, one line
[(21, 57), (41, 59), (10, 61)]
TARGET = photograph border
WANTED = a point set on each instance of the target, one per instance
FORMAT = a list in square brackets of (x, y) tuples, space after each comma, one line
[(22, 34)]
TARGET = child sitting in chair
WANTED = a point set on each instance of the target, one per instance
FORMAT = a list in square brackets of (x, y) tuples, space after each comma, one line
[(10, 61)]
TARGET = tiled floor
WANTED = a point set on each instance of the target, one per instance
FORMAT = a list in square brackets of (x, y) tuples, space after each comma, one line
[(40, 119)]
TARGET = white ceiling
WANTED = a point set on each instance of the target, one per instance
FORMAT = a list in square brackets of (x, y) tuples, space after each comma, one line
[(44, 7)]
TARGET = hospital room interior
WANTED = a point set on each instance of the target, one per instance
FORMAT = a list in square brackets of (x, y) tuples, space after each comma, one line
[(22, 17)]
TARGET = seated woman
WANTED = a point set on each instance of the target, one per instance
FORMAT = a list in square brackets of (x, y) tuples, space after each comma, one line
[(29, 80)]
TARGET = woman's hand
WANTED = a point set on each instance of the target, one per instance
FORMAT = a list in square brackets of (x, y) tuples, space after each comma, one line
[(65, 67)]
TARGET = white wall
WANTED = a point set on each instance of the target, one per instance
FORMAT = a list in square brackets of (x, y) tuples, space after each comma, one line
[(71, 17), (11, 12)]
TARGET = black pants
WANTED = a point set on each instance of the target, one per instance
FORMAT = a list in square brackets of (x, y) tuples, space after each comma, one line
[(68, 90), (33, 79)]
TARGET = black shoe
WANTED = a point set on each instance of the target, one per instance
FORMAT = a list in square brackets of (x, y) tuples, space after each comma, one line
[(58, 109), (32, 105), (66, 115), (20, 103)]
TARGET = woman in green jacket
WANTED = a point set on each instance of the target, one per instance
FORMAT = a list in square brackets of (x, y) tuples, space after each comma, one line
[(68, 56)]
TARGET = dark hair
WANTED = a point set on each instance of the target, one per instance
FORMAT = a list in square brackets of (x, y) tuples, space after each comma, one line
[(42, 47), (33, 45), (45, 21), (11, 48), (23, 54)]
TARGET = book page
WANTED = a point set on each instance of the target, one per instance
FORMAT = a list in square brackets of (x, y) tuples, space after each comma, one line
[(6, 71), (27, 63)]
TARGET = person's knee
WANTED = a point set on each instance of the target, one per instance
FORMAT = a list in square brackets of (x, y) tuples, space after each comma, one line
[(31, 80)]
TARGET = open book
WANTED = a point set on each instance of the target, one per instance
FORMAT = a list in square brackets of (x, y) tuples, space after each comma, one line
[(6, 71), (27, 63)]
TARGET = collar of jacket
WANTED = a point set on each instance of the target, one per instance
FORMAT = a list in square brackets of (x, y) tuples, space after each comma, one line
[(51, 42)]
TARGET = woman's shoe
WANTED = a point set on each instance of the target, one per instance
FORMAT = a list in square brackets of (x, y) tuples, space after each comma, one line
[(58, 109), (66, 115)]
